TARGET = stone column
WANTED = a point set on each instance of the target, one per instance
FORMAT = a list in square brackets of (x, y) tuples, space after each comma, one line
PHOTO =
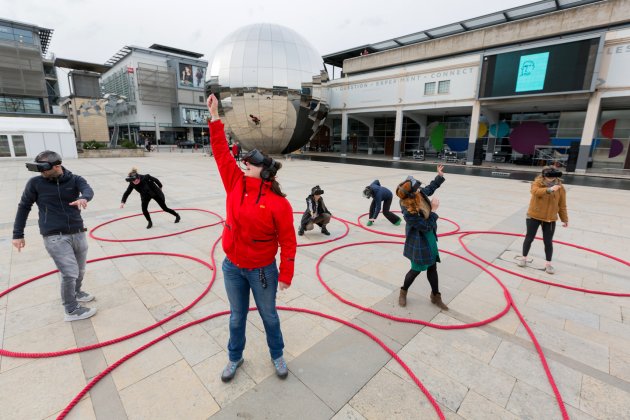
[(472, 135), (589, 131), (344, 133), (398, 133)]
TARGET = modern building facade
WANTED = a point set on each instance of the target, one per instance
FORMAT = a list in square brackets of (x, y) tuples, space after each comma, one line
[(542, 83), (29, 92), (163, 93)]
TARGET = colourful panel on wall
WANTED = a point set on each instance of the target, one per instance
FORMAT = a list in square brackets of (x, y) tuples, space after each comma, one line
[(457, 144), (500, 130), (616, 147), (437, 136), (608, 129), (527, 135), (482, 130)]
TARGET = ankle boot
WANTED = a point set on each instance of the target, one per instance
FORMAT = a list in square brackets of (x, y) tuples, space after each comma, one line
[(402, 298), (436, 299)]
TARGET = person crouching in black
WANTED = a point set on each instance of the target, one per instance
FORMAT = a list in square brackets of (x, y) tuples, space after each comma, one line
[(316, 212), (150, 188)]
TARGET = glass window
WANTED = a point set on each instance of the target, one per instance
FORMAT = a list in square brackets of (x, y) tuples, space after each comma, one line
[(444, 86), (429, 88), (4, 146), (18, 146)]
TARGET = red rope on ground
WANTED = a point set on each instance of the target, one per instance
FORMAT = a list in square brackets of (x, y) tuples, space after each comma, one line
[(400, 235), (211, 266), (119, 362), (550, 283), (98, 238), (411, 320)]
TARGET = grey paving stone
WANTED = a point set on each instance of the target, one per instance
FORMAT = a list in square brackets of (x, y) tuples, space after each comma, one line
[(338, 366), (275, 398)]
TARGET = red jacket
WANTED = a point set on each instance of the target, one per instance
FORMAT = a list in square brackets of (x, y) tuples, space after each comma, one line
[(235, 149), (258, 220)]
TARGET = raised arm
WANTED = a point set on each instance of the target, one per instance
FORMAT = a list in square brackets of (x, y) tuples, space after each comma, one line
[(228, 169)]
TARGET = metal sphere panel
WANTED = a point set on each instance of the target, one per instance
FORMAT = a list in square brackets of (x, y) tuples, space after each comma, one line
[(263, 74)]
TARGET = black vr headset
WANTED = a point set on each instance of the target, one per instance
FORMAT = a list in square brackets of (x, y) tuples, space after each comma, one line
[(415, 186), (41, 166), (131, 178), (256, 158), (551, 173), (367, 192), (316, 190)]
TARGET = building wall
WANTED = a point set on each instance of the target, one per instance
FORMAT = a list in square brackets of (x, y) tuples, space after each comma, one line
[(578, 19)]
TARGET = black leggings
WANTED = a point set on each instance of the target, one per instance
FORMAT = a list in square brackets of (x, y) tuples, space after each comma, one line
[(161, 202), (548, 229), (386, 212), (432, 276)]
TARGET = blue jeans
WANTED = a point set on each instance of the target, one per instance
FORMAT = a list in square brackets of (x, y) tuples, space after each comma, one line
[(263, 283), (69, 252)]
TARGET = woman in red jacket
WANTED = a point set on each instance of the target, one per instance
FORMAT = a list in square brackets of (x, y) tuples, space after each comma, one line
[(259, 219)]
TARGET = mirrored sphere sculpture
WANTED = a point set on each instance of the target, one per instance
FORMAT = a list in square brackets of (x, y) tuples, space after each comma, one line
[(263, 76)]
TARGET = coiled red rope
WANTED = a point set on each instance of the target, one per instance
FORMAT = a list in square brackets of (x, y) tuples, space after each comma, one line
[(509, 303)]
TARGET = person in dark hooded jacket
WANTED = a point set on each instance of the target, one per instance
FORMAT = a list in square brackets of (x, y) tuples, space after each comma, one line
[(150, 188), (60, 196), (380, 196)]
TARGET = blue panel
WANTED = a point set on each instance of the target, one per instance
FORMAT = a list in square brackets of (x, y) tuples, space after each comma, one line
[(532, 70), (457, 144)]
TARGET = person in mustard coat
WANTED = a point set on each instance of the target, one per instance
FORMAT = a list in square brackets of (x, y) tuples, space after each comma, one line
[(548, 202)]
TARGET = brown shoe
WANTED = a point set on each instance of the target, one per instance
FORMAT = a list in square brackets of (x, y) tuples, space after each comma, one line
[(402, 299), (436, 299)]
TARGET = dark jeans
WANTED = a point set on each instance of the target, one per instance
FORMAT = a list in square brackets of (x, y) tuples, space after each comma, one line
[(263, 282), (548, 229), (388, 214), (322, 220), (161, 202), (69, 252)]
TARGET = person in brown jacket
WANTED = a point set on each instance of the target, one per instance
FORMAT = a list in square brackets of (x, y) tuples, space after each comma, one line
[(548, 202)]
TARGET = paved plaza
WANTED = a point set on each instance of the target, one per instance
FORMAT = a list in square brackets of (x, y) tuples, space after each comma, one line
[(337, 371)]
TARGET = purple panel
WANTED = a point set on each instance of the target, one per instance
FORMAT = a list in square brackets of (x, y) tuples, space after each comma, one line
[(616, 147), (527, 135)]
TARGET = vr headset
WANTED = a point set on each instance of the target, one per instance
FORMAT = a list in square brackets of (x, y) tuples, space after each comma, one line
[(256, 158), (415, 185), (316, 190), (131, 178), (367, 192), (41, 166), (551, 173)]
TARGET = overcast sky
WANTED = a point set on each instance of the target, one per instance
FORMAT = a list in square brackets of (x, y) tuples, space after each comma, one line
[(93, 31)]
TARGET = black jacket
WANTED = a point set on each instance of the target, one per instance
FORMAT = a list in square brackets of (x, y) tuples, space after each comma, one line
[(53, 198), (149, 187), (318, 207)]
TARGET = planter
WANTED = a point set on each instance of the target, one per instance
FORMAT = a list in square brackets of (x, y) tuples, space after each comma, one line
[(111, 153)]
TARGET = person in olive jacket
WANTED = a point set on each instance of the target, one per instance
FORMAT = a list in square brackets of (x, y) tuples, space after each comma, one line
[(548, 202), (150, 188)]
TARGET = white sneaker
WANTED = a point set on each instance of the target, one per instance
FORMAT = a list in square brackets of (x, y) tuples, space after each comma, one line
[(521, 261), (549, 269), (80, 312), (84, 297)]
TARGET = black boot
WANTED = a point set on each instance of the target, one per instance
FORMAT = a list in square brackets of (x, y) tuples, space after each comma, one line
[(325, 231), (301, 232), (177, 218), (150, 225)]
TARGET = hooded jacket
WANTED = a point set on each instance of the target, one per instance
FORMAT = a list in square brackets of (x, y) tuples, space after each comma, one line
[(547, 206), (258, 220), (53, 197), (379, 194)]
